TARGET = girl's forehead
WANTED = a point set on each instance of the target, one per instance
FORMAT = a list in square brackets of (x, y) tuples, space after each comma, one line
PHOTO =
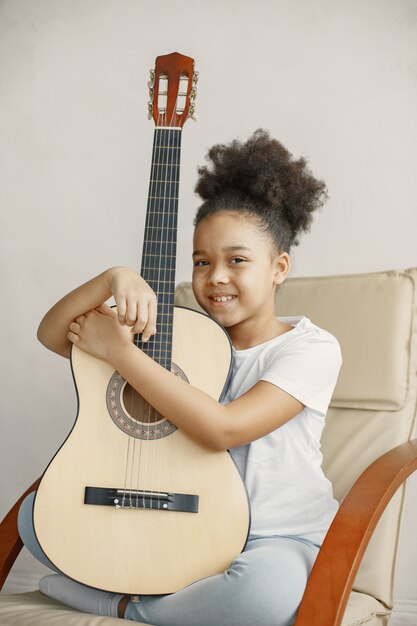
[(227, 227)]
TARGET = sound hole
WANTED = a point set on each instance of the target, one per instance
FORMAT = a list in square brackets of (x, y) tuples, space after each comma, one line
[(132, 414), (137, 408)]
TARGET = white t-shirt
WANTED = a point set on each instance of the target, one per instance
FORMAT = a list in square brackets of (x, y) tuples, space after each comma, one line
[(287, 488)]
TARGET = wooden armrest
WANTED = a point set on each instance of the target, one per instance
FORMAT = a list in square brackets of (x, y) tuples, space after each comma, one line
[(331, 579), (10, 542)]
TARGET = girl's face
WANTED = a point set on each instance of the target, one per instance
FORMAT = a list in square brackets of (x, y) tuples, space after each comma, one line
[(236, 272)]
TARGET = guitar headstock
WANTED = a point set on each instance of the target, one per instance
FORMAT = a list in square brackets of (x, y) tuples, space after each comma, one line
[(172, 89)]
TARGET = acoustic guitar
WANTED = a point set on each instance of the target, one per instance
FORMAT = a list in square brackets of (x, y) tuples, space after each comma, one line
[(130, 503)]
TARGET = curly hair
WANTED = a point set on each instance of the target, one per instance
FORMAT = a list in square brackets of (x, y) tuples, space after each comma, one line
[(260, 178)]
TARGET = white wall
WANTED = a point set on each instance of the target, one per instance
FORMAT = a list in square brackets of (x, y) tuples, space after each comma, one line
[(335, 81)]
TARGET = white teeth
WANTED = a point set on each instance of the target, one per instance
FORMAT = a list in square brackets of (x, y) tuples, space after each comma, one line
[(222, 298)]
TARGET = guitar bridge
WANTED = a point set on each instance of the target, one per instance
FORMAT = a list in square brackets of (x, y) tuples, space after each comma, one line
[(141, 499)]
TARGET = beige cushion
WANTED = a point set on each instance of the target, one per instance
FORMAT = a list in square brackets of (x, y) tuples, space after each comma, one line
[(35, 609), (364, 609)]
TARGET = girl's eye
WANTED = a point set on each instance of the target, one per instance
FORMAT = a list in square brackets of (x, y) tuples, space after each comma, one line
[(200, 263), (238, 259)]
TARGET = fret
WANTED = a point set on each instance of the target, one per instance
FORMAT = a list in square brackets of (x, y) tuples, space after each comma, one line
[(174, 228), (148, 259), (147, 262), (159, 230), (154, 248), (162, 243), (154, 277), (161, 163), (167, 147), (158, 349), (155, 163), (161, 180), (163, 213), (163, 198), (158, 269), (162, 221)]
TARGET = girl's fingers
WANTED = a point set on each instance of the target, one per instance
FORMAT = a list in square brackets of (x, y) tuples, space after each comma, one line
[(73, 337), (75, 327), (142, 317), (153, 311), (146, 318), (131, 312), (150, 328), (121, 311)]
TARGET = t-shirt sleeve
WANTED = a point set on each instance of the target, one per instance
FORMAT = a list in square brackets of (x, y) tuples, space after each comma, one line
[(307, 369)]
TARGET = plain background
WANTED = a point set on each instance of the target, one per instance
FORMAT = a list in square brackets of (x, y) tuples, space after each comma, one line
[(335, 81)]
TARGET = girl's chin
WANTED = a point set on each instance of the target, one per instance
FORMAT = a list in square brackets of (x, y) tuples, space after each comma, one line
[(223, 318)]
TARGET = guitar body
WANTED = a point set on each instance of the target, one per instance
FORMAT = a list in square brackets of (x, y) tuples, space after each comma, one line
[(147, 549)]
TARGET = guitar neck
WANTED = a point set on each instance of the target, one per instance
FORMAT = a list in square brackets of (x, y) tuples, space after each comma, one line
[(160, 238)]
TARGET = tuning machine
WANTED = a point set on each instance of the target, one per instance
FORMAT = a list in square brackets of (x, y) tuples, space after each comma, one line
[(151, 83), (193, 95)]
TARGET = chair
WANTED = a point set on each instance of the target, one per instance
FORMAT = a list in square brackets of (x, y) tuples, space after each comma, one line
[(367, 443)]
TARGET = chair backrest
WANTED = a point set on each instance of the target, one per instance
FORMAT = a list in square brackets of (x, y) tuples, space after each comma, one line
[(373, 408)]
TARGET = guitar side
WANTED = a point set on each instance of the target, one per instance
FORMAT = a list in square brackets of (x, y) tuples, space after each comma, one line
[(163, 550)]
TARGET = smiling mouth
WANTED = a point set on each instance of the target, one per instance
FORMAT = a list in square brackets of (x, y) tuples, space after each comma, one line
[(221, 300)]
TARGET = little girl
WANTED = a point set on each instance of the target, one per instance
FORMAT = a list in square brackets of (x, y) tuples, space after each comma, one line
[(256, 200)]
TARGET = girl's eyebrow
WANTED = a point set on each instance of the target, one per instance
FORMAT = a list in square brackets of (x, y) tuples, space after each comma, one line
[(226, 249)]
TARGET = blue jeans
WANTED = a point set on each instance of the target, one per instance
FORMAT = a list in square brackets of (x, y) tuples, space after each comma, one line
[(263, 585)]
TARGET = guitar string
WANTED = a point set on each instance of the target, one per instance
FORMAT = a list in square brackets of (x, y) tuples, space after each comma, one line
[(165, 137), (172, 218), (160, 193), (150, 253), (168, 217), (158, 236), (133, 392), (132, 462)]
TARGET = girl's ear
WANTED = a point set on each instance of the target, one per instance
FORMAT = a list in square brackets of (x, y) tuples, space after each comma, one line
[(282, 266)]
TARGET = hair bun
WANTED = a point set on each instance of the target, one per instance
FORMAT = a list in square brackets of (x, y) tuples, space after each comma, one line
[(261, 173)]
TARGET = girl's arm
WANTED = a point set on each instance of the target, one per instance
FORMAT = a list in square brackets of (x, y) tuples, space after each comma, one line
[(135, 300), (259, 411), (256, 413)]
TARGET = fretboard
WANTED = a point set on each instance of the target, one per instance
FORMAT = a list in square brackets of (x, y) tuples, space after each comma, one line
[(160, 239)]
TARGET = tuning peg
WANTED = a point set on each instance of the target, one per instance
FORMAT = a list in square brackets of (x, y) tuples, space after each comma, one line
[(195, 77), (150, 110), (192, 113)]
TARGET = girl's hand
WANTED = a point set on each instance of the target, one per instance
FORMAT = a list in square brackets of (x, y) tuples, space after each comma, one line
[(136, 301), (99, 333)]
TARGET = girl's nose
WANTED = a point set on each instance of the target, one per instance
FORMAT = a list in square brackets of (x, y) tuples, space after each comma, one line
[(217, 275)]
